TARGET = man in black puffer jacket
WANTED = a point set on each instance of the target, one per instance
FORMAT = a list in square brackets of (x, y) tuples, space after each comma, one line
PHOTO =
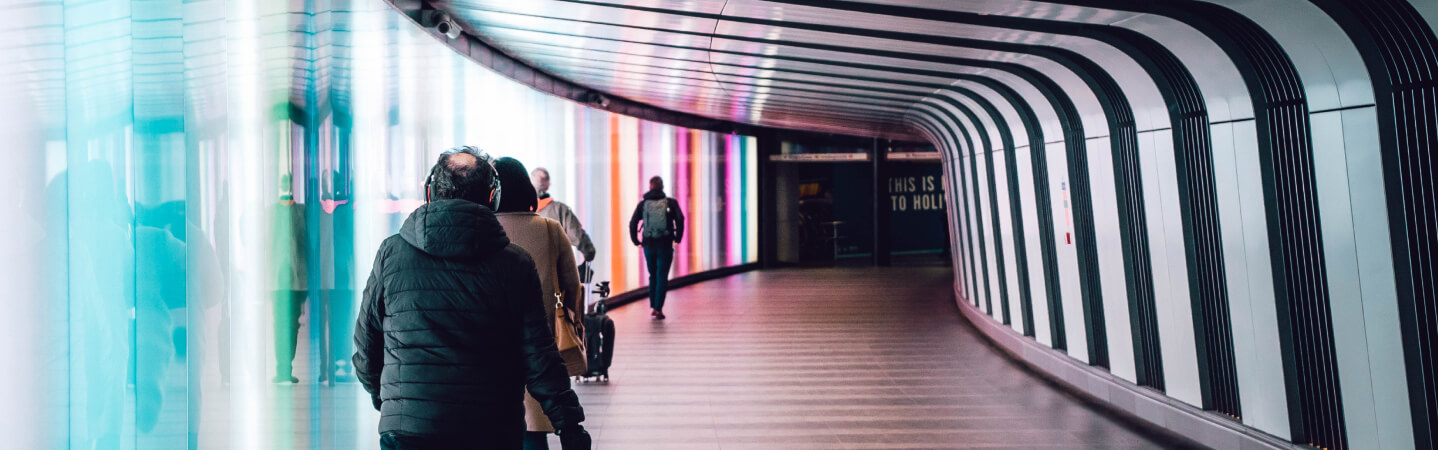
[(451, 330)]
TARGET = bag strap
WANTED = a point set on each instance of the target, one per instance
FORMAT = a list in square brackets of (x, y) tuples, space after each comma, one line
[(558, 296)]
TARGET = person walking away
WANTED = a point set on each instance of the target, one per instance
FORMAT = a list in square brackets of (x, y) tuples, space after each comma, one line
[(663, 230), (545, 241), (449, 335), (552, 209), (290, 256)]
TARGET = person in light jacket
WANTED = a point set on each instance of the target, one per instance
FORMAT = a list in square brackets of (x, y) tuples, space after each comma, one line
[(557, 211), (546, 242)]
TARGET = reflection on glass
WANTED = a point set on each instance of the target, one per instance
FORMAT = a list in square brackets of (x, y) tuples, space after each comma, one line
[(197, 188)]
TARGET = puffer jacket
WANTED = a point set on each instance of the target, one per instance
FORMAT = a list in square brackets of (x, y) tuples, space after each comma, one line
[(449, 334)]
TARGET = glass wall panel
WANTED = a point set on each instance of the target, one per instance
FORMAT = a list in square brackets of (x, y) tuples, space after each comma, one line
[(197, 189)]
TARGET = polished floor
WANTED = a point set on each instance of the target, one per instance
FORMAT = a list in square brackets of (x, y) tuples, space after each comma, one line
[(827, 358), (787, 359)]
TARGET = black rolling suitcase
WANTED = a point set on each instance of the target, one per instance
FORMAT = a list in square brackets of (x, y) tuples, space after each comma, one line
[(599, 338)]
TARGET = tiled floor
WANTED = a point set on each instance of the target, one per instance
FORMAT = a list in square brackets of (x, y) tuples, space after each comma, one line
[(826, 358), (812, 358)]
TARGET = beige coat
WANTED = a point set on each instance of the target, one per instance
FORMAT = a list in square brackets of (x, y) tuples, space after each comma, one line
[(545, 241)]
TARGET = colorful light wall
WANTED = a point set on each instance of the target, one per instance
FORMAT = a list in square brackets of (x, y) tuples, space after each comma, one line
[(192, 183)]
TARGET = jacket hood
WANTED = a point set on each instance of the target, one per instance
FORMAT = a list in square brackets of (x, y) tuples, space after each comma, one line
[(657, 194), (454, 229)]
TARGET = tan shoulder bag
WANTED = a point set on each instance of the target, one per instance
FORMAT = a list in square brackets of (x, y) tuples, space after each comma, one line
[(568, 327)]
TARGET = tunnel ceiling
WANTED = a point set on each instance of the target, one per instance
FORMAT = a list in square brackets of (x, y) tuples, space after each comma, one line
[(835, 66)]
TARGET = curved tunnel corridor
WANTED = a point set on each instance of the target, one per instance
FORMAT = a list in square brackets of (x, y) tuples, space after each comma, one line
[(830, 358), (1213, 218)]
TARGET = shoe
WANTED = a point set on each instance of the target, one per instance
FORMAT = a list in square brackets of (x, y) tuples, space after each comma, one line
[(653, 313), (283, 379), (658, 315)]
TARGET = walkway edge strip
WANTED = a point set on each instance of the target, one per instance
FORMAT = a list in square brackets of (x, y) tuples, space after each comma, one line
[(1141, 406), (642, 292)]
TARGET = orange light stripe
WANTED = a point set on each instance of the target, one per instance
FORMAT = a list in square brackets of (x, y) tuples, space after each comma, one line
[(619, 232)]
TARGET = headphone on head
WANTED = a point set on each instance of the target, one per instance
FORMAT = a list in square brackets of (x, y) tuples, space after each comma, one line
[(495, 188)]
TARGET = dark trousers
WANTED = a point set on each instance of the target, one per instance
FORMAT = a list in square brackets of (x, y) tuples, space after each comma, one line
[(288, 306), (338, 322), (659, 258), (536, 440), (392, 441)]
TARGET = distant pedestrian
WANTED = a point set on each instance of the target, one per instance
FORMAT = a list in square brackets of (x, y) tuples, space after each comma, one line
[(663, 230), (557, 211)]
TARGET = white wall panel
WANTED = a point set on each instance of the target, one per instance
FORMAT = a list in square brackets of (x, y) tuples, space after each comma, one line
[(1065, 252), (1033, 240), (957, 242), (1108, 240), (1006, 227), (1429, 10), (971, 239), (1345, 296), (1171, 301), (981, 271), (1375, 266), (1257, 356), (990, 247), (1362, 296)]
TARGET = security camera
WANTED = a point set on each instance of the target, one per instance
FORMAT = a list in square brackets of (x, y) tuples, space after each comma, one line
[(595, 98), (441, 22), (449, 28)]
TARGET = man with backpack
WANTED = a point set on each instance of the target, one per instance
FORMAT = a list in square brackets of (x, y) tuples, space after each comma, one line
[(663, 229)]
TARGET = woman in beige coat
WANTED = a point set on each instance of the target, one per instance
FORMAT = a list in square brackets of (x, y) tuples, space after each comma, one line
[(545, 241)]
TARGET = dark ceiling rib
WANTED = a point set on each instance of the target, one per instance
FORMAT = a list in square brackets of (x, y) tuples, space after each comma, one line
[(489, 56), (1021, 70), (572, 61), (582, 67), (710, 56), (503, 27), (1010, 67), (638, 83), (977, 63), (890, 80)]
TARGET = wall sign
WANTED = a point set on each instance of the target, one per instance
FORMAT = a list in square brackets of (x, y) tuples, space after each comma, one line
[(915, 192), (918, 222)]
